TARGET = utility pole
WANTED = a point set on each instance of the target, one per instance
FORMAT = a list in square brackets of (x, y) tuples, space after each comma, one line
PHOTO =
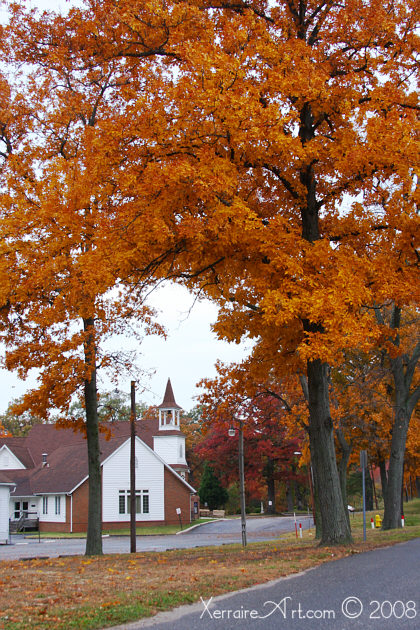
[(231, 433), (242, 481), (133, 469)]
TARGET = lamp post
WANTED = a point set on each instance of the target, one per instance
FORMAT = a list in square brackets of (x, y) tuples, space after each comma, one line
[(311, 485), (363, 465), (231, 433)]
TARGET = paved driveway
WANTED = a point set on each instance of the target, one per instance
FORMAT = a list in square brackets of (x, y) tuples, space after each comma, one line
[(214, 533), (376, 590)]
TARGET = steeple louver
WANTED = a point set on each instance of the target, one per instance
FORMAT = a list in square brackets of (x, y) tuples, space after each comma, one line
[(169, 410)]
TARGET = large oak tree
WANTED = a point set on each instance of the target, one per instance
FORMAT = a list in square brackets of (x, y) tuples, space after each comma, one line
[(65, 286), (270, 148), (293, 130)]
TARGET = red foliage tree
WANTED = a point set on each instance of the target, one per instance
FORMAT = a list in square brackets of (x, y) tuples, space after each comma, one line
[(270, 442)]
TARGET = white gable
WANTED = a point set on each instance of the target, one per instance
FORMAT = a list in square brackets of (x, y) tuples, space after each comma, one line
[(4, 512), (8, 460), (116, 479), (149, 479)]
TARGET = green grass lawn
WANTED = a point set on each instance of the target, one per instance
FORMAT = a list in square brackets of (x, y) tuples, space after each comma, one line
[(140, 531), (411, 515)]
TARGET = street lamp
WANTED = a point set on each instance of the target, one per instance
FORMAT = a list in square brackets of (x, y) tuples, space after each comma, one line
[(311, 485), (232, 433)]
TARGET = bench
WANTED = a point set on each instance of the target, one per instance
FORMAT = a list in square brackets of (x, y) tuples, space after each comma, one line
[(219, 513)]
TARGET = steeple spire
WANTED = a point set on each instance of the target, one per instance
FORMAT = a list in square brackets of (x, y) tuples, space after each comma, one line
[(169, 442), (169, 410), (169, 398)]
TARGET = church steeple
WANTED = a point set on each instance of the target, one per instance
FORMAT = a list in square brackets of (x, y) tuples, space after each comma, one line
[(170, 441), (169, 410)]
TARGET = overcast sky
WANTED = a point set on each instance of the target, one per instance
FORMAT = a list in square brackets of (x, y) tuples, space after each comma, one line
[(188, 353)]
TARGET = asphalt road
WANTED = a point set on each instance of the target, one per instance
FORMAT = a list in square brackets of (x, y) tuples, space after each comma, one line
[(376, 590), (214, 533)]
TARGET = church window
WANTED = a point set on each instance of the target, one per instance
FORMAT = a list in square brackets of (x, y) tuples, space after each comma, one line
[(142, 502)]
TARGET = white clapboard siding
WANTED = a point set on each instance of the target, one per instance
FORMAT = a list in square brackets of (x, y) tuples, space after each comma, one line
[(34, 505), (8, 460), (4, 513), (51, 516), (116, 477), (170, 448)]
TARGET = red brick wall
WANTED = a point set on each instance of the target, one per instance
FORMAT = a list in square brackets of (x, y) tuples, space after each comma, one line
[(80, 507), (80, 513), (68, 513), (177, 495), (54, 527), (59, 527)]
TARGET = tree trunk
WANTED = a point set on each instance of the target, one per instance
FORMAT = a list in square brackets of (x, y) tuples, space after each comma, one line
[(317, 513), (299, 497), (335, 525), (343, 464), (289, 497), (94, 531), (403, 370), (392, 497), (418, 486), (375, 496), (369, 490), (384, 476), (271, 487)]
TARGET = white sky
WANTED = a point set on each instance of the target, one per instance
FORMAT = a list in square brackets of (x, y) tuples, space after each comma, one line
[(189, 351), (61, 6), (187, 354)]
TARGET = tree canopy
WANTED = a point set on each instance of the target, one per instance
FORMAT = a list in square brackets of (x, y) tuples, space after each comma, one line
[(263, 153), (211, 492)]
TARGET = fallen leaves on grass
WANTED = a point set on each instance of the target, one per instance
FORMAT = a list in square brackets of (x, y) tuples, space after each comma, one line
[(106, 590)]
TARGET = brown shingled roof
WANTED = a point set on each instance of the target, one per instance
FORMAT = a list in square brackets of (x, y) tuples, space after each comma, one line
[(18, 448), (66, 468), (169, 398), (5, 478), (22, 479), (45, 438), (67, 460)]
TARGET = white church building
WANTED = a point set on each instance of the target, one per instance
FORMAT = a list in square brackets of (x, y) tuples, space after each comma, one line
[(45, 474)]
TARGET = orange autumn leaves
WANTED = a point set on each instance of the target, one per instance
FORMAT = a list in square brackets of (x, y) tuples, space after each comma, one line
[(166, 140)]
